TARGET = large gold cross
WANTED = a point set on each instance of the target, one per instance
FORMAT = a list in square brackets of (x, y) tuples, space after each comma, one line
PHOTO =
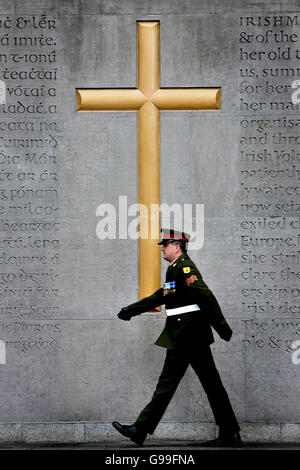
[(148, 99)]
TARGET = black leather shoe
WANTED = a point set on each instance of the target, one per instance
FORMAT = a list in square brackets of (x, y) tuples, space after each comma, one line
[(230, 440), (136, 435)]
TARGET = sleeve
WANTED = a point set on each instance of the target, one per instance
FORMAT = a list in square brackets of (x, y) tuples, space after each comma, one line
[(147, 303), (192, 286)]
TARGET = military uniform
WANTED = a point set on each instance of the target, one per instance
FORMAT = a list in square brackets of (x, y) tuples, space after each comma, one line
[(192, 310), (188, 330), (187, 337)]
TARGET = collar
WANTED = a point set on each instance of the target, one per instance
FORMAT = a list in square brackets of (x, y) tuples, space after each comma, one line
[(174, 260), (180, 258)]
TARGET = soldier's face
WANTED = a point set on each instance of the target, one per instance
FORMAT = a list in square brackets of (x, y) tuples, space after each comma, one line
[(170, 251)]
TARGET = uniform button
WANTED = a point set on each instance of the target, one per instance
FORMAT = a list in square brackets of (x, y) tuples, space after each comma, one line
[(178, 319)]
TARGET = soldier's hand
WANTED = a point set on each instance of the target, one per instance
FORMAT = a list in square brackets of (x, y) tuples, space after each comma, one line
[(124, 314), (226, 335)]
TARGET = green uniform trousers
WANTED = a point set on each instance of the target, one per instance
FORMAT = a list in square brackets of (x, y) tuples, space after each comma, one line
[(174, 369)]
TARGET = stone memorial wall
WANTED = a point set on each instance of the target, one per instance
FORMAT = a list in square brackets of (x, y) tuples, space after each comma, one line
[(67, 364)]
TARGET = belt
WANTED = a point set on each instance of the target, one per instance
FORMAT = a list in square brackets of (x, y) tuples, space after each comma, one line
[(179, 310)]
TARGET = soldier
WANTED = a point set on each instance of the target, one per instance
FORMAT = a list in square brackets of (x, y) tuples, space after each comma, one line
[(191, 310)]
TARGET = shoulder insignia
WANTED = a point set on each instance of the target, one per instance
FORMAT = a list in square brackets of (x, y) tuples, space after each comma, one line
[(191, 279), (186, 270)]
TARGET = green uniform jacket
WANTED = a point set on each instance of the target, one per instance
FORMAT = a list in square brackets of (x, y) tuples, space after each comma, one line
[(186, 330)]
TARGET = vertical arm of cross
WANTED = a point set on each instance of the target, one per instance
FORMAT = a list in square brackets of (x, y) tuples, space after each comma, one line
[(149, 157)]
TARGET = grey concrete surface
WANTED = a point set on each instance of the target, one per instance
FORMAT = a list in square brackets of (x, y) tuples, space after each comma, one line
[(71, 366), (174, 445), (102, 434)]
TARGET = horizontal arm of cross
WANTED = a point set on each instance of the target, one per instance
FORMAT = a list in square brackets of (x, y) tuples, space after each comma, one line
[(91, 99), (133, 99), (187, 98)]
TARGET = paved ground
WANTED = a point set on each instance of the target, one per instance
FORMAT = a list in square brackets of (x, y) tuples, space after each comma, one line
[(148, 446)]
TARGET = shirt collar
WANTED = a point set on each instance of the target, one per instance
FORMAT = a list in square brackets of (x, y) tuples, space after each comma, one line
[(177, 259)]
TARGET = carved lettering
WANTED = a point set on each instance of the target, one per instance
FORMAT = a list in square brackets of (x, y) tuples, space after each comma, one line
[(269, 182), (29, 231)]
